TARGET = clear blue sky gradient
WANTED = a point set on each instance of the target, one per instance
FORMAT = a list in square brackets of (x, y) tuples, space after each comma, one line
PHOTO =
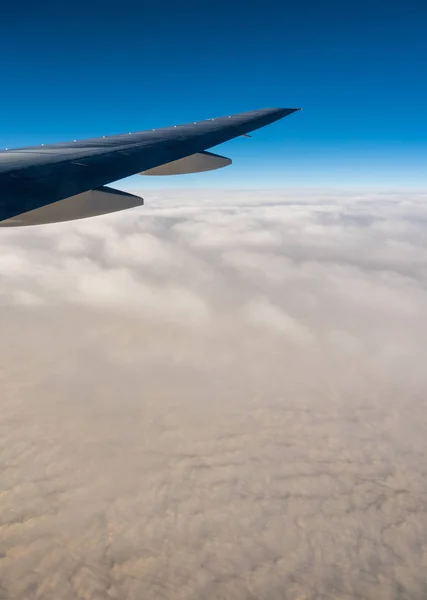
[(81, 69)]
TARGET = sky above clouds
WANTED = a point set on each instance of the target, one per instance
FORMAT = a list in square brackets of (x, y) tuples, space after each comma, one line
[(221, 394), (357, 69)]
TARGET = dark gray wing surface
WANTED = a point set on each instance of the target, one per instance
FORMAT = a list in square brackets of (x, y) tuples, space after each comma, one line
[(34, 177)]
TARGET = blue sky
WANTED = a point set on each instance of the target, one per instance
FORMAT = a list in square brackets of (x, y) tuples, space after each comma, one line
[(81, 69)]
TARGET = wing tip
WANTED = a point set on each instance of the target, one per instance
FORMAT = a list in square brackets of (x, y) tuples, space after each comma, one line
[(290, 110), (280, 112), (275, 114)]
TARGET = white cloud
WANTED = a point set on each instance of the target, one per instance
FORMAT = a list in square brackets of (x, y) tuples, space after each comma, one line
[(265, 314), (220, 394)]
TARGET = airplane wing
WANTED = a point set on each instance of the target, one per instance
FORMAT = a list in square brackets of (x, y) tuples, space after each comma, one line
[(57, 182)]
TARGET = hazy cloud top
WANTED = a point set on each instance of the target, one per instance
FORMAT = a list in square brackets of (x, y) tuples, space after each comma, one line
[(217, 395)]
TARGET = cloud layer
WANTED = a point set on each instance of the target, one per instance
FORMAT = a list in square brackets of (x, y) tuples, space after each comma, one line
[(219, 395)]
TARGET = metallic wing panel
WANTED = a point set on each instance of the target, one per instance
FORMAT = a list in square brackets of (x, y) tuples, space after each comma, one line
[(88, 204), (195, 163)]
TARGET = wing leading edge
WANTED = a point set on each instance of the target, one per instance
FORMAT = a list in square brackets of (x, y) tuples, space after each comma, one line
[(31, 178)]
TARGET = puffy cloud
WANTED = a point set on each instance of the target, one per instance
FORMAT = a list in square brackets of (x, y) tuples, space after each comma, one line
[(221, 394), (265, 314)]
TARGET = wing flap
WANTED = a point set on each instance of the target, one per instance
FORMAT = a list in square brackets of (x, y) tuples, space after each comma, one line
[(195, 163), (101, 201)]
